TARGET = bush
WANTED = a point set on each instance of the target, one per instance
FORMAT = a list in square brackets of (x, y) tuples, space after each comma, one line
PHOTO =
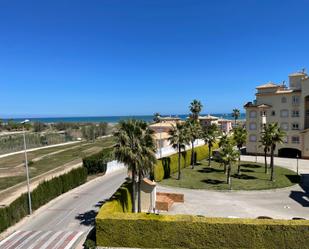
[(41, 195), (169, 165), (121, 201), (97, 163), (184, 231)]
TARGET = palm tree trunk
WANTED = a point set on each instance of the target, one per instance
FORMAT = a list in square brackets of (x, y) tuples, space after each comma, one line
[(225, 169), (133, 190), (179, 161), (192, 155), (272, 164), (265, 158), (238, 170), (139, 200), (209, 154), (228, 181)]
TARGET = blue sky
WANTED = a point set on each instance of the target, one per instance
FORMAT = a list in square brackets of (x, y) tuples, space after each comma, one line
[(112, 57)]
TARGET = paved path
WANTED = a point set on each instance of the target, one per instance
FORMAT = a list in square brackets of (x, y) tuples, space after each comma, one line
[(288, 163), (39, 148), (280, 203), (72, 213)]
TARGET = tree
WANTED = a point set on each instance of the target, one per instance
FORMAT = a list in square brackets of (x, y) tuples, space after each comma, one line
[(179, 139), (38, 126), (195, 109), (235, 115), (193, 130), (135, 148), (265, 142), (156, 117), (228, 156), (210, 135), (223, 141), (240, 137), (276, 136)]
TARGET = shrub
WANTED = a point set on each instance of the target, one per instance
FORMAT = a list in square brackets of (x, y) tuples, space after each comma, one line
[(121, 201), (169, 165), (41, 195), (97, 163), (184, 231)]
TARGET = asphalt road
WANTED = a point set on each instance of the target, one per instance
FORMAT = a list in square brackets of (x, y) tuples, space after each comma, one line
[(74, 211)]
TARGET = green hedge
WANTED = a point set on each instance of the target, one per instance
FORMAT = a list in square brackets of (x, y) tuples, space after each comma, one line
[(97, 163), (169, 165), (41, 195), (121, 201), (184, 231)]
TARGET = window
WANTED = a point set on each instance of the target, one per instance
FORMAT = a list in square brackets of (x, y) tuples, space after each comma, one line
[(295, 100), (284, 113), (295, 126), (283, 100), (284, 126), (307, 113), (252, 138), (253, 114), (273, 113), (295, 140), (295, 113), (286, 140), (263, 113), (252, 126)]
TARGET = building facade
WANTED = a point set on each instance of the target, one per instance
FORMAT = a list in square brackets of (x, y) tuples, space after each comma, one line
[(287, 106)]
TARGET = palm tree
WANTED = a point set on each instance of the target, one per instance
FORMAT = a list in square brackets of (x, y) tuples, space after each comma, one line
[(223, 141), (210, 135), (136, 149), (195, 109), (240, 137), (147, 160), (228, 156), (179, 139), (235, 115), (156, 117), (276, 136), (265, 142), (193, 130)]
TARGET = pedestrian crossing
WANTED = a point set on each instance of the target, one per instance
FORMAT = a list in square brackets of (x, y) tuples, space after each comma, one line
[(41, 240)]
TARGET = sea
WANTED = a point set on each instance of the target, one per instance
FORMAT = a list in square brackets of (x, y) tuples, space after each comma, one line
[(112, 119)]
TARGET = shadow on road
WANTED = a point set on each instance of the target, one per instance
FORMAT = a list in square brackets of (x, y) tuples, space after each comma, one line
[(88, 218), (302, 197)]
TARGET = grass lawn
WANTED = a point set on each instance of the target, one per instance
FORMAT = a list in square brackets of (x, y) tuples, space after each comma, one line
[(73, 154), (213, 178)]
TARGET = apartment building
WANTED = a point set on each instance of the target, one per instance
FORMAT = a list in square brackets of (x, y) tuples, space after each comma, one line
[(286, 105)]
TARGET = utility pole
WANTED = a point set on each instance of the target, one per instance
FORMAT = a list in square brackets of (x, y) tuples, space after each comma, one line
[(27, 168)]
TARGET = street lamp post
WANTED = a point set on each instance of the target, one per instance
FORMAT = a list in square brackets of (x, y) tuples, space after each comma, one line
[(27, 168)]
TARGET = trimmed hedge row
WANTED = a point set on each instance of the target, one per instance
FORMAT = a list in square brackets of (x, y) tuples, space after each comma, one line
[(169, 165), (97, 163), (45, 192), (121, 201), (184, 231)]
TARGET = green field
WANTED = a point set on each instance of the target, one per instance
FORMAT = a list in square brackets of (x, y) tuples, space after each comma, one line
[(213, 178), (68, 155)]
